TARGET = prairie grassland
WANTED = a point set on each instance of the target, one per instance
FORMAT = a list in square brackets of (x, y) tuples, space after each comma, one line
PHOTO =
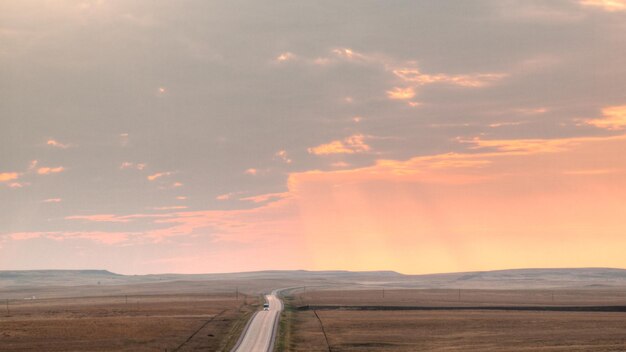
[(451, 297), (163, 322), (447, 330)]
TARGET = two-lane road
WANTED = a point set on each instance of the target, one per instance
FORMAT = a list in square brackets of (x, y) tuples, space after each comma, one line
[(259, 336)]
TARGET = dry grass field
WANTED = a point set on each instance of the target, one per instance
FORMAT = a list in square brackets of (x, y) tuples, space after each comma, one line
[(163, 322), (448, 330), (465, 297)]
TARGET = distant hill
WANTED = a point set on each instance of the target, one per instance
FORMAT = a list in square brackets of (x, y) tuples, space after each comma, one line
[(58, 277), (498, 279)]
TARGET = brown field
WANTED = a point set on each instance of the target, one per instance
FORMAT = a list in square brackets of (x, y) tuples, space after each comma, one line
[(448, 330), (449, 297), (163, 322)]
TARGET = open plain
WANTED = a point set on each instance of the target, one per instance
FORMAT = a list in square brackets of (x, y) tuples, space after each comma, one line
[(325, 311), (158, 322), (375, 320)]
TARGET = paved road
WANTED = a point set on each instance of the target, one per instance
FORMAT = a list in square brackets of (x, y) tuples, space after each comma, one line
[(259, 336)]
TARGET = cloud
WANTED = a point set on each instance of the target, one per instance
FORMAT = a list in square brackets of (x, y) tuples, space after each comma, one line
[(52, 200), (613, 118), (283, 156), (113, 218), (177, 184), (50, 170), (350, 145), (159, 175), (251, 171), (414, 75), (286, 56), (131, 165), (99, 218), (8, 176), (225, 196), (607, 5), (522, 146), (266, 197), (422, 212), (124, 139), (108, 238), (399, 93), (57, 144), (174, 207)]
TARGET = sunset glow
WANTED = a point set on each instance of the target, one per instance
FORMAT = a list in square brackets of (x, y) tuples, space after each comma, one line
[(416, 136)]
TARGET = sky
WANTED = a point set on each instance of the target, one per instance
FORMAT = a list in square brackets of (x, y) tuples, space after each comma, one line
[(212, 136)]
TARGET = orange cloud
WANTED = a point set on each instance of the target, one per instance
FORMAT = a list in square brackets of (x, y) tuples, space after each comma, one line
[(350, 145), (613, 118), (52, 200), (109, 238), (286, 56), (175, 207), (50, 170), (56, 144), (523, 146), (454, 212), (474, 80), (98, 218), (607, 5), (114, 218), (251, 171), (398, 93), (158, 175), (130, 165), (503, 206), (8, 176), (265, 197), (282, 155)]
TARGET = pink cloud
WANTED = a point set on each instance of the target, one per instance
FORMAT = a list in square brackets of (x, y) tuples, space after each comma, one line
[(57, 144), (399, 93), (349, 145), (286, 56), (115, 218), (283, 156), (251, 171), (265, 197), (613, 118), (8, 176), (52, 200), (468, 80), (108, 238), (606, 5), (50, 170), (174, 207), (131, 165), (159, 175)]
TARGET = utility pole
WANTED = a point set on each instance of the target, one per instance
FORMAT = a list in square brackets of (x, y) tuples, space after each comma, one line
[(8, 312), (237, 293), (459, 295)]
